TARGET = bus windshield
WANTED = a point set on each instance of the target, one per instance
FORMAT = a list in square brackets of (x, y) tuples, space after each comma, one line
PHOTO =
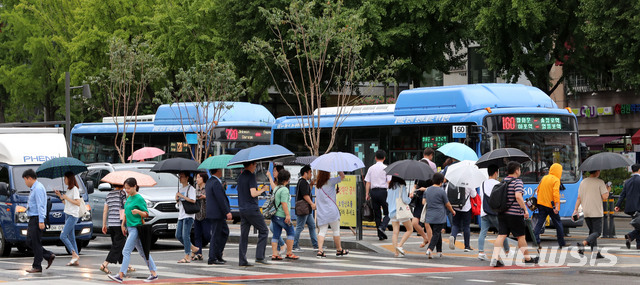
[(546, 144)]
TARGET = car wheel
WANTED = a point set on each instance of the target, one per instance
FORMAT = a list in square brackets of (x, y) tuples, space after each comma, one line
[(5, 248)]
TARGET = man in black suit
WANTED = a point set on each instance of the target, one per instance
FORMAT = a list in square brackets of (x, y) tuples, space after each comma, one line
[(217, 211), (631, 192)]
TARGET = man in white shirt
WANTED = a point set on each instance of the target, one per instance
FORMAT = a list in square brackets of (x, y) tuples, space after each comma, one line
[(488, 217), (376, 185)]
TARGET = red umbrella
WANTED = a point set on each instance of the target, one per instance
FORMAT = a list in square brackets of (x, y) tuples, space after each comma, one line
[(118, 178), (146, 153)]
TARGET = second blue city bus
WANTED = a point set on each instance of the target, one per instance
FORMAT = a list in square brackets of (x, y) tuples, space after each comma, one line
[(483, 116)]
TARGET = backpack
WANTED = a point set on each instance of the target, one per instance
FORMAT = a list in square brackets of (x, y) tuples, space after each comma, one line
[(457, 196), (485, 203), (270, 208), (499, 200)]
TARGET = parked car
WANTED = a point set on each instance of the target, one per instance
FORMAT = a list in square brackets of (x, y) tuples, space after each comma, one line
[(163, 214)]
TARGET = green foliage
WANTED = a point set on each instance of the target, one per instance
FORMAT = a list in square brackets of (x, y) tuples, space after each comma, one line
[(616, 176)]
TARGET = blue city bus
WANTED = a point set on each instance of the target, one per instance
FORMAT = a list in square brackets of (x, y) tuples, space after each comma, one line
[(173, 129), (483, 116)]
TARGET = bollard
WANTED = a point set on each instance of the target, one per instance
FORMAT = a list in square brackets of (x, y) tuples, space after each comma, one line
[(612, 225), (605, 220)]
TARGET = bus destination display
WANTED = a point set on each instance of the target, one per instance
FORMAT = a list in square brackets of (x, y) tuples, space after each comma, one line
[(434, 141), (531, 123), (241, 134)]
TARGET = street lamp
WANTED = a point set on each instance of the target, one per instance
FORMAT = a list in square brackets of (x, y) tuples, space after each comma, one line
[(86, 93)]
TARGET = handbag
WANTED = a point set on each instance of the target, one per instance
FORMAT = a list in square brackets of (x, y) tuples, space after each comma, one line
[(367, 211), (403, 211), (302, 208), (423, 215), (191, 208), (270, 208), (476, 205)]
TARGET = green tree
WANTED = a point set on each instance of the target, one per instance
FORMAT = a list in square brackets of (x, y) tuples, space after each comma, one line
[(210, 87), (612, 30), (422, 35), (529, 37), (131, 69), (316, 53)]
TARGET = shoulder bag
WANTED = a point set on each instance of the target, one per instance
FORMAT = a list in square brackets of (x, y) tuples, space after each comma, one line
[(191, 208), (403, 211)]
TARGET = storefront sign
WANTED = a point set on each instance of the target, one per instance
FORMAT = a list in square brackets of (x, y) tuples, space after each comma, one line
[(593, 111)]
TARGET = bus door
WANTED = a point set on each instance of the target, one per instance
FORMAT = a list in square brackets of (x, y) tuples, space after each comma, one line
[(366, 151)]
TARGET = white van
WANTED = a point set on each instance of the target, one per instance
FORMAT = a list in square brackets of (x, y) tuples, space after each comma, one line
[(21, 149)]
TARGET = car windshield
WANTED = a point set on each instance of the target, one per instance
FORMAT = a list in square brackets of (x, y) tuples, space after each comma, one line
[(544, 149), (49, 184)]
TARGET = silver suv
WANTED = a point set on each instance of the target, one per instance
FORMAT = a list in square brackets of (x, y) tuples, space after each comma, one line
[(163, 214)]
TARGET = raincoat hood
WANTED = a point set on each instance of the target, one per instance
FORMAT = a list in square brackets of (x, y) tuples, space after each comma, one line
[(556, 170)]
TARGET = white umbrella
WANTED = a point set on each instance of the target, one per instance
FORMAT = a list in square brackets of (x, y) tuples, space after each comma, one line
[(337, 161), (466, 174)]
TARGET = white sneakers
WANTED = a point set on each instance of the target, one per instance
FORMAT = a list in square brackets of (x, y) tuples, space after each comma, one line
[(452, 242), (482, 256)]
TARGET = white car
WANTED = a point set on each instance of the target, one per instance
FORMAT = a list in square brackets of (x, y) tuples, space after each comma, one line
[(163, 214)]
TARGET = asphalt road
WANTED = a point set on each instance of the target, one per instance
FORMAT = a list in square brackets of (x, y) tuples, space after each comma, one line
[(359, 267)]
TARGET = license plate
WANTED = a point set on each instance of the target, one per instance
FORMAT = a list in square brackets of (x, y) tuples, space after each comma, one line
[(55, 228), (172, 226)]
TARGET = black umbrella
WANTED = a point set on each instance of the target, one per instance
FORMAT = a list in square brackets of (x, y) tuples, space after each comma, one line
[(410, 170), (501, 157), (298, 160), (605, 160), (176, 165)]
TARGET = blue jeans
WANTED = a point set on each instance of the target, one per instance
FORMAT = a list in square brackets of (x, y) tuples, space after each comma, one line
[(134, 242), (300, 222), (68, 234), (280, 240), (201, 233), (183, 233), (279, 224), (462, 222), (485, 223), (543, 212)]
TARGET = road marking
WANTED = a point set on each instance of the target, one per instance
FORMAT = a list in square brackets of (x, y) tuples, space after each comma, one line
[(429, 264), (357, 273), (364, 266), (480, 281), (600, 270), (440, 277), (519, 284), (226, 269)]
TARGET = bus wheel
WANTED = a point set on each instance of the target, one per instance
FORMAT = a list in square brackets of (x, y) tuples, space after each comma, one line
[(5, 248)]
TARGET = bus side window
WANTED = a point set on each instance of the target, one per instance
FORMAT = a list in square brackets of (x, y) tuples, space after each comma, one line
[(4, 177)]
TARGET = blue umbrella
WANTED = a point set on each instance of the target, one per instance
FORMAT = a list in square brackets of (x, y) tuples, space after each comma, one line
[(58, 166), (259, 153), (458, 151)]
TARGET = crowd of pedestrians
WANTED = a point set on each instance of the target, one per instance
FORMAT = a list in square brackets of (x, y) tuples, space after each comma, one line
[(125, 210)]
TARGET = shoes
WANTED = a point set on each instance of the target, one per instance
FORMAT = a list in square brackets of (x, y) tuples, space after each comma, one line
[(580, 249), (400, 250), (292, 257), (452, 242), (342, 252), (217, 262), (151, 278), (34, 270), (298, 250), (429, 255), (321, 254), (50, 260), (439, 254), (496, 263), (468, 249), (263, 262), (283, 250), (533, 260), (220, 258), (382, 235), (482, 256), (116, 278), (246, 265), (627, 241), (599, 256), (276, 257)]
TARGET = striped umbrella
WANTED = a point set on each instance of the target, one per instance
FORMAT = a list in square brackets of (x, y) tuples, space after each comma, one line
[(58, 166)]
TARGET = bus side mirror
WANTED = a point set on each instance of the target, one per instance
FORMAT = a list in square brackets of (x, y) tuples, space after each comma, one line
[(90, 187), (4, 189)]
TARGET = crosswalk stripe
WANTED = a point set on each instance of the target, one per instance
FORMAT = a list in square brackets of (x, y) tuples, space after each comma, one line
[(425, 264), (364, 266), (224, 269), (480, 281)]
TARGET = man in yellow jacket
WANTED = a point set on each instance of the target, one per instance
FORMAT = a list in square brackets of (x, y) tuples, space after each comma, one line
[(549, 202)]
